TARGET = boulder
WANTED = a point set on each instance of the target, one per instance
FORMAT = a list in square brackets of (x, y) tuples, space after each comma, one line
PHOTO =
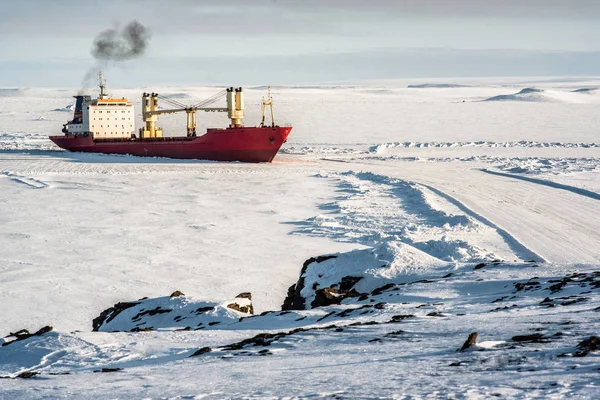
[(470, 342), (587, 346), (242, 303)]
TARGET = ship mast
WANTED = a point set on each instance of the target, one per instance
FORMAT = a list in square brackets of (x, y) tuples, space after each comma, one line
[(102, 84), (265, 103)]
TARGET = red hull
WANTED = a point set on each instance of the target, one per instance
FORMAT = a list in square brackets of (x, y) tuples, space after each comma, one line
[(231, 144)]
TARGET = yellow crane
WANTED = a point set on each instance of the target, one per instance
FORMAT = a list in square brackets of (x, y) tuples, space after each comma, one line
[(150, 111)]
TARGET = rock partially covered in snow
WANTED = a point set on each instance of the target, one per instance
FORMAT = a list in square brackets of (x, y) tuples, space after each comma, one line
[(242, 303), (173, 312), (330, 279), (24, 334)]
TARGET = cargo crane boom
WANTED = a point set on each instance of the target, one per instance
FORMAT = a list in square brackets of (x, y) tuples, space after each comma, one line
[(150, 111)]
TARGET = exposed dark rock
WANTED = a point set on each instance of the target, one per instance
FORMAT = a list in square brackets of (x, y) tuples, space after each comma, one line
[(533, 338), (358, 323), (27, 374), (448, 275), (247, 309), (152, 312), (587, 346), (435, 314), (479, 266), (348, 282), (294, 300), (177, 293), (187, 328), (204, 309), (214, 323), (244, 295), (400, 317), (394, 333), (325, 316), (382, 289), (365, 296), (24, 334), (110, 313), (201, 351), (329, 296), (470, 342), (500, 299), (19, 333), (109, 370), (138, 329)]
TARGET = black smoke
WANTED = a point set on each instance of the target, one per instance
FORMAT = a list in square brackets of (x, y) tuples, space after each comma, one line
[(113, 45)]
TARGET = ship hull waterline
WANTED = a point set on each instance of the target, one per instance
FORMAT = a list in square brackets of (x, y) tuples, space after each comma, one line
[(259, 144)]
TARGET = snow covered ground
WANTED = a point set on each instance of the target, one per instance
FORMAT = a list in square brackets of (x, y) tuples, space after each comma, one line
[(460, 206)]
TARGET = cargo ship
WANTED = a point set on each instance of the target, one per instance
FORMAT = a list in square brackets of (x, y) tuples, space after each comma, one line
[(107, 125)]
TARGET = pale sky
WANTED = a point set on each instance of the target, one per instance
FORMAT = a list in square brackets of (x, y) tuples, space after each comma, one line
[(283, 41)]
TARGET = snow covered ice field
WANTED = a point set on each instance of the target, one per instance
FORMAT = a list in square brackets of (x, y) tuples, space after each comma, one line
[(444, 209)]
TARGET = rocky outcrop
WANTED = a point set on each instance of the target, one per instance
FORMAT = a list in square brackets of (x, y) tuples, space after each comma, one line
[(328, 296), (294, 299), (172, 312), (242, 303), (587, 346), (110, 313), (470, 342), (24, 334)]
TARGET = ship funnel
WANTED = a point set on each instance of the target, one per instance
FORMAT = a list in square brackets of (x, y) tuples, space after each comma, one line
[(80, 101)]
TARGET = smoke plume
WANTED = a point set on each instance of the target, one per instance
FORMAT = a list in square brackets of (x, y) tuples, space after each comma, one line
[(112, 45)]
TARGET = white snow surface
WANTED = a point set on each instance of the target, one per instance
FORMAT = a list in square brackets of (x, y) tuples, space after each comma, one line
[(407, 186)]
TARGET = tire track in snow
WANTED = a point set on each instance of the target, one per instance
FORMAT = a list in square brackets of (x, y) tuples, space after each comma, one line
[(572, 189), (517, 247), (374, 208)]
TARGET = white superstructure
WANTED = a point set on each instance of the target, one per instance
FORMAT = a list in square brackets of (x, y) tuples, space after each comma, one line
[(104, 118)]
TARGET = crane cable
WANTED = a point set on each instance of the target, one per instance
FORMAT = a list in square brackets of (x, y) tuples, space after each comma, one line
[(214, 98), (172, 102)]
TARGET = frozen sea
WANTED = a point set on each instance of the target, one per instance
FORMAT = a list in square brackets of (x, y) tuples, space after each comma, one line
[(429, 179)]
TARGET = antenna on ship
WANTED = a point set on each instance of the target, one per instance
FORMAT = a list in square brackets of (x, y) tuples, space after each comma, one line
[(265, 103), (102, 84)]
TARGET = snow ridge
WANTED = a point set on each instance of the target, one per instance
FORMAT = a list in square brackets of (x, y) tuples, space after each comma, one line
[(374, 209)]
